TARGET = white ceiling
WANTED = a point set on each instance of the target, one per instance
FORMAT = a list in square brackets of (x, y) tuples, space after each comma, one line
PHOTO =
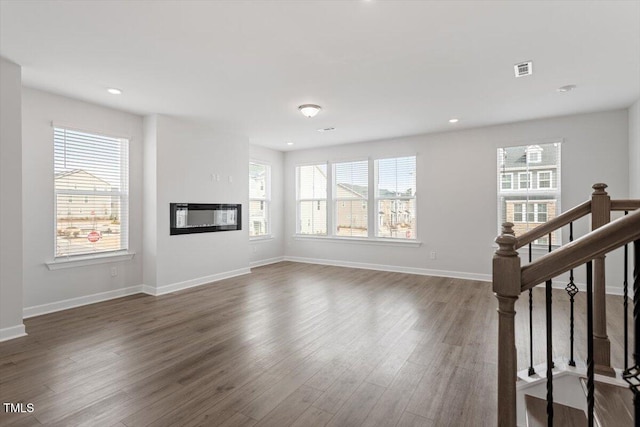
[(380, 69)]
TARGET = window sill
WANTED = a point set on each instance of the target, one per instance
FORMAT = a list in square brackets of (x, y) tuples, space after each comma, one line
[(258, 239), (361, 241), (84, 260)]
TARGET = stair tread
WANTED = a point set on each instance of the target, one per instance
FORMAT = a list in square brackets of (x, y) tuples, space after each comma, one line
[(562, 415), (613, 404)]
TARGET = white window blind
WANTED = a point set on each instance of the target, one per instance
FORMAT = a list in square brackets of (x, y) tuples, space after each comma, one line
[(259, 199), (396, 197), (351, 192), (91, 177), (536, 198), (311, 198)]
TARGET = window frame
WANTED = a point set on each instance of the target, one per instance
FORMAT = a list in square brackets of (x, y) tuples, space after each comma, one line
[(510, 175), (75, 195), (529, 178), (370, 205), (319, 201), (507, 162), (264, 201), (342, 201), (538, 179), (377, 199)]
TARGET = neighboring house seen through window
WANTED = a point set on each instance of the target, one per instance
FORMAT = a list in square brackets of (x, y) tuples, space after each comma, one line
[(536, 199), (389, 211), (91, 176), (311, 199), (259, 199), (396, 197), (350, 192)]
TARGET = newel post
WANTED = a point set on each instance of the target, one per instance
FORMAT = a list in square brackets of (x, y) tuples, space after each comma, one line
[(506, 286), (600, 215)]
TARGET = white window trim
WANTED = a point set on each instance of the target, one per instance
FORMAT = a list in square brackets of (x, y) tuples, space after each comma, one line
[(385, 241), (534, 149), (83, 260), (372, 203), (266, 200), (551, 187), (122, 254), (326, 200), (511, 182), (336, 199), (528, 182)]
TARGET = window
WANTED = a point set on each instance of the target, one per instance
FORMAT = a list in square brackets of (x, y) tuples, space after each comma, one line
[(534, 154), (524, 180), (95, 169), (351, 192), (518, 212), (259, 199), (536, 198), (311, 199), (506, 181), (396, 197), (387, 211), (544, 179)]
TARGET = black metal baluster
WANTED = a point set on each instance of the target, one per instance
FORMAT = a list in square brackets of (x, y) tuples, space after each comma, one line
[(625, 303), (553, 365), (632, 375), (549, 356), (532, 371), (590, 383), (572, 290)]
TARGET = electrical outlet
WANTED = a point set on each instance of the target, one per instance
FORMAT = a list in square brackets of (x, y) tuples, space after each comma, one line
[(114, 271), (432, 255), (255, 249)]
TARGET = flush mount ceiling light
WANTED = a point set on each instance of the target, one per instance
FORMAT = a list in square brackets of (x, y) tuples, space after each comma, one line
[(114, 91), (567, 88), (309, 110), (454, 120), (325, 129)]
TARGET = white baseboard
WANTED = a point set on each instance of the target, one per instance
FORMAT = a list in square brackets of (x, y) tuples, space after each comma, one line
[(38, 310), (12, 332), (166, 289), (394, 268), (268, 261)]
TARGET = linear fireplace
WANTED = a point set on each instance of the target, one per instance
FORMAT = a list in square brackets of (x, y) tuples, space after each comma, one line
[(187, 218)]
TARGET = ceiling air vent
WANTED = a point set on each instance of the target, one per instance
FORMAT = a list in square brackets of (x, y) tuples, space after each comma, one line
[(523, 69)]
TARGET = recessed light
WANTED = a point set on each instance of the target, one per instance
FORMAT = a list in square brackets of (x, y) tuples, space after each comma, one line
[(289, 143), (454, 120), (567, 88), (326, 129), (114, 91)]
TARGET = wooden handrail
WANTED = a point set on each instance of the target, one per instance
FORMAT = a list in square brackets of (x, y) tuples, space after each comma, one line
[(561, 220), (625, 205), (597, 243)]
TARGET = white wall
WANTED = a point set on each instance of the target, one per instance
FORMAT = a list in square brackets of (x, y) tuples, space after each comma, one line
[(150, 202), (52, 288), (457, 201), (188, 158), (271, 249), (11, 276), (634, 150)]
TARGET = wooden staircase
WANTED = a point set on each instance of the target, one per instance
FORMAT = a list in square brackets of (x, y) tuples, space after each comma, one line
[(613, 408), (607, 404)]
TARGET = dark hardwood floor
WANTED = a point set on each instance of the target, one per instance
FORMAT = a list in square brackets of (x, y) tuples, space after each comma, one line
[(288, 345)]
